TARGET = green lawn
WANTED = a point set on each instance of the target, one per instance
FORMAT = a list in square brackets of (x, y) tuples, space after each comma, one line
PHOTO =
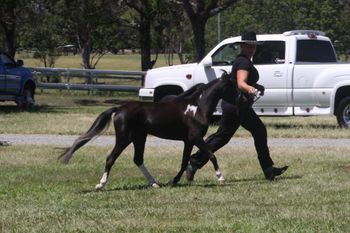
[(109, 61), (39, 194)]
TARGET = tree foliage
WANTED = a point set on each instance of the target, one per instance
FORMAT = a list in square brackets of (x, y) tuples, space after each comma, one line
[(43, 33), (198, 12), (13, 14), (187, 28)]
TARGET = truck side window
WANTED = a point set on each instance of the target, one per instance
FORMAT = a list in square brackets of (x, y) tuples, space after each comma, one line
[(315, 51), (270, 52), (226, 54), (6, 60)]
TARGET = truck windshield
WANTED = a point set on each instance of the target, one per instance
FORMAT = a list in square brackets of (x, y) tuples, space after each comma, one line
[(226, 54), (315, 51)]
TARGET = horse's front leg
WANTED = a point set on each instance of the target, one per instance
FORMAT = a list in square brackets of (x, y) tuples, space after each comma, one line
[(204, 148), (139, 146), (185, 159), (218, 173)]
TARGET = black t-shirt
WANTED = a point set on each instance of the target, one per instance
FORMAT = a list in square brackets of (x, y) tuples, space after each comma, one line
[(244, 63)]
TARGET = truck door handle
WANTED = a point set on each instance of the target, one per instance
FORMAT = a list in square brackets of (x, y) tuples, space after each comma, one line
[(277, 74)]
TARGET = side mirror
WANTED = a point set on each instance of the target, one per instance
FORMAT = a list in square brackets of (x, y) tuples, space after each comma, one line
[(19, 63), (207, 62)]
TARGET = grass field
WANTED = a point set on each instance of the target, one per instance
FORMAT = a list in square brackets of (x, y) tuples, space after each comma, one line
[(39, 194), (109, 61)]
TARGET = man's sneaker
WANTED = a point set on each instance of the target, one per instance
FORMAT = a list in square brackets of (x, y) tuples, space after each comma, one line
[(271, 172), (189, 173)]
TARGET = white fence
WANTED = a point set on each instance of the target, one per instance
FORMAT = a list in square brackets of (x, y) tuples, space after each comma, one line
[(91, 77)]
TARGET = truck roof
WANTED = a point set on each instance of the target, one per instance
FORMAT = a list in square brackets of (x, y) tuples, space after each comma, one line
[(300, 34)]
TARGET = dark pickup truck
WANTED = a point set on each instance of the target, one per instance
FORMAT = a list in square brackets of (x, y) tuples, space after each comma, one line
[(16, 82)]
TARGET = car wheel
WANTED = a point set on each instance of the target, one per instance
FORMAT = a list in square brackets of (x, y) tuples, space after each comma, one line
[(343, 113)]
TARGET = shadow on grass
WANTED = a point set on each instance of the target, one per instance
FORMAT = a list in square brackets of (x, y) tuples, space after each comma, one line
[(86, 102), (205, 184), (107, 102), (45, 108), (9, 109), (116, 101), (37, 109), (293, 126)]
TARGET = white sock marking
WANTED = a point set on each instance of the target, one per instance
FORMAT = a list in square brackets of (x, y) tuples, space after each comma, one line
[(219, 176), (103, 181), (148, 176), (104, 178)]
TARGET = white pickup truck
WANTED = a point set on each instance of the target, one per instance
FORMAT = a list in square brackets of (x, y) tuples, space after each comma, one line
[(299, 70)]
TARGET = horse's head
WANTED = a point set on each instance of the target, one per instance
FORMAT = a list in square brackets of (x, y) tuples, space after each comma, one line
[(229, 89)]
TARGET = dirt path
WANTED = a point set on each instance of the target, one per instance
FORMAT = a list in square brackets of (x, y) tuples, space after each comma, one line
[(67, 140)]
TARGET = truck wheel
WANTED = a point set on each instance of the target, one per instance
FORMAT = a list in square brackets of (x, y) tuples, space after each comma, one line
[(343, 113), (28, 102)]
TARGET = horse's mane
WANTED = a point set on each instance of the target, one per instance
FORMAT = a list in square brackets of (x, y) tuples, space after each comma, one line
[(192, 91)]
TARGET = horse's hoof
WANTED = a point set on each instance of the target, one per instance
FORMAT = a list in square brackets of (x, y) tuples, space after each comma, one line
[(155, 185), (222, 182), (189, 173), (99, 187)]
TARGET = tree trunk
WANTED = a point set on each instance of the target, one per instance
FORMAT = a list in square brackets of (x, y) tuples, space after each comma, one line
[(86, 52), (198, 27), (10, 30), (145, 41)]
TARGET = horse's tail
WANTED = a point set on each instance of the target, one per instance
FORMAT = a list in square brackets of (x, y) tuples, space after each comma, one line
[(100, 124)]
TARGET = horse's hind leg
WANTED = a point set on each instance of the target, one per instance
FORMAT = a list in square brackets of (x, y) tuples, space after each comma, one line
[(117, 150), (139, 146), (218, 173)]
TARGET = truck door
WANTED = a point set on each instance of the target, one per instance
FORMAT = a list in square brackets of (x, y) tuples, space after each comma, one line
[(270, 61), (13, 75), (2, 76)]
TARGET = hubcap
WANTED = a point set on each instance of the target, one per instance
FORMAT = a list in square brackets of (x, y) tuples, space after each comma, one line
[(346, 115)]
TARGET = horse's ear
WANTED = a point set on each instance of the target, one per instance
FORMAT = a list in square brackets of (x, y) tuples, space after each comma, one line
[(225, 75)]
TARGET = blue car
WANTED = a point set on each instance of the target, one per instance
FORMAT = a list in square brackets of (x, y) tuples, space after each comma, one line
[(16, 82)]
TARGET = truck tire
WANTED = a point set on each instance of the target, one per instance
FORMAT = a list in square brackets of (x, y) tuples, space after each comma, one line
[(27, 103), (164, 91), (343, 113)]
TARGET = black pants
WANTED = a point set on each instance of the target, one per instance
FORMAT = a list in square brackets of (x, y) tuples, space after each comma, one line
[(228, 125)]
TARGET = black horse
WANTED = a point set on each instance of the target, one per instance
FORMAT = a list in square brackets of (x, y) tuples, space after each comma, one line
[(185, 118)]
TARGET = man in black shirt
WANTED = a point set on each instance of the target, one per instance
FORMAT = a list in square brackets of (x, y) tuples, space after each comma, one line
[(246, 76)]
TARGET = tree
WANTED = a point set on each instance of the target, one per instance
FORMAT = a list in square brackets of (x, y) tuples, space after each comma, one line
[(199, 11), (10, 13), (42, 33), (269, 16), (171, 32), (83, 22), (147, 11)]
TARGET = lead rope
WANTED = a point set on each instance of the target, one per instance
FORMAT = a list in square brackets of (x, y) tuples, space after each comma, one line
[(256, 96)]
